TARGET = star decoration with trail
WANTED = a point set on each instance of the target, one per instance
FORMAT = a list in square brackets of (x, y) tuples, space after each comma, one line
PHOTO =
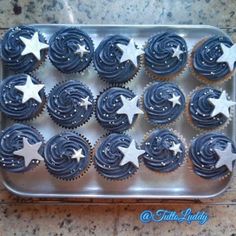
[(177, 52), (30, 90), (130, 52), (29, 152), (221, 105), (78, 155), (226, 157), (228, 56), (131, 154), (33, 46), (85, 102), (129, 108), (81, 50), (175, 100)]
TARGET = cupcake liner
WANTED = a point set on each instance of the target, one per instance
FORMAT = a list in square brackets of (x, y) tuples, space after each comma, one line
[(170, 77), (189, 119), (161, 126), (97, 144), (181, 164), (79, 125), (35, 163), (191, 170), (101, 92), (83, 172), (200, 77)]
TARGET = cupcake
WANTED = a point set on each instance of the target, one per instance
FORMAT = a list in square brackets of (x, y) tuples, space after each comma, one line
[(23, 49), (70, 50), (213, 155), (22, 97), (164, 150), (21, 148), (117, 59), (165, 55), (162, 103), (213, 59), (116, 157), (67, 155), (117, 109), (70, 104), (209, 108)]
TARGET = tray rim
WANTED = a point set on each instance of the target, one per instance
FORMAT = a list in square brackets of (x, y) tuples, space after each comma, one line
[(117, 196)]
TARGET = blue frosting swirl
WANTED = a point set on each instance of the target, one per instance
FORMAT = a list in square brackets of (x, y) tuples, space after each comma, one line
[(107, 60), (205, 58), (108, 157), (58, 155), (203, 155), (12, 48), (200, 109), (158, 156), (65, 104), (159, 54), (63, 46), (156, 104), (11, 140), (108, 103), (11, 99)]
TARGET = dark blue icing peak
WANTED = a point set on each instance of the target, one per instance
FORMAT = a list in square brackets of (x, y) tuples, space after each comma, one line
[(158, 156), (58, 155), (159, 109), (108, 157), (206, 55), (63, 46), (66, 104), (159, 53), (11, 98), (11, 140), (200, 109), (107, 60), (204, 156), (12, 48), (108, 103)]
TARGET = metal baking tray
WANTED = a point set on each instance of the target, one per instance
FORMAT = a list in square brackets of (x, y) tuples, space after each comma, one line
[(145, 184)]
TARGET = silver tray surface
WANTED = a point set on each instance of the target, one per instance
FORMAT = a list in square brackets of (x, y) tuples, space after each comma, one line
[(145, 184)]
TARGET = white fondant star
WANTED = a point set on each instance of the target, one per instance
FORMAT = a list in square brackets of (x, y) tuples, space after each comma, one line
[(85, 102), (130, 52), (221, 105), (78, 155), (175, 148), (175, 100), (228, 56), (177, 52), (131, 154), (129, 107), (226, 157), (81, 50), (33, 45), (29, 151), (30, 90)]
